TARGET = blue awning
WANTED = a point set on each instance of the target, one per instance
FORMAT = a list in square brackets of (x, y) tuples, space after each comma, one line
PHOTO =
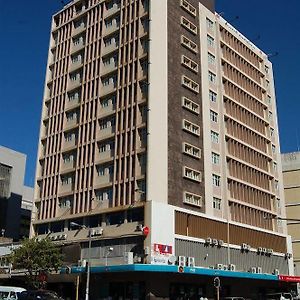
[(172, 269)]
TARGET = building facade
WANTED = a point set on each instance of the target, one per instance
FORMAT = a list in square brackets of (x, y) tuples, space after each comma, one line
[(160, 114), (291, 181), (16, 200)]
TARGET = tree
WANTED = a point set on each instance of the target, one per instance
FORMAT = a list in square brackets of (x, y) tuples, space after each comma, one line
[(36, 257)]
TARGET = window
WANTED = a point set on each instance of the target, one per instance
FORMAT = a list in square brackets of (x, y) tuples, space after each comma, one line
[(190, 105), (73, 76), (275, 166), (191, 174), (216, 180), (190, 84), (213, 116), (71, 116), (272, 132), (108, 23), (273, 149), (106, 61), (192, 199), (74, 96), (214, 137), (189, 25), (211, 77), (270, 116), (191, 127), (188, 8), (106, 81), (269, 99), (210, 41), (189, 63), (212, 96), (78, 41), (191, 150), (276, 185), (67, 158), (189, 44), (211, 59), (76, 58), (267, 69), (65, 202), (79, 23), (66, 180), (215, 158), (103, 195), (70, 136), (216, 203), (209, 24)]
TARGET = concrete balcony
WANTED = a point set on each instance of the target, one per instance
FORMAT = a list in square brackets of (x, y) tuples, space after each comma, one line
[(111, 29), (79, 29), (106, 69), (66, 188), (104, 156), (108, 89), (70, 104), (67, 165), (103, 133), (73, 84), (104, 179), (71, 123), (75, 65), (113, 10), (69, 144), (77, 47), (106, 111), (110, 48)]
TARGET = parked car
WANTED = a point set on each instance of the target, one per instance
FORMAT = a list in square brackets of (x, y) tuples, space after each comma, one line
[(39, 295), (10, 292)]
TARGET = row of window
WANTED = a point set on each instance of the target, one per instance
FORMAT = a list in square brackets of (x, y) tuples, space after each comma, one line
[(190, 105)]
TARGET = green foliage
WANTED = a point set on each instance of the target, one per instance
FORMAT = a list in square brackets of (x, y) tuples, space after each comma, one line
[(35, 257)]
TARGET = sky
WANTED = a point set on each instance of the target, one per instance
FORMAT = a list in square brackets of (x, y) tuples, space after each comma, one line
[(25, 29)]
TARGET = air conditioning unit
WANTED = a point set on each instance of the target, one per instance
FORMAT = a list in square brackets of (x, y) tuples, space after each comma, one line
[(215, 242), (172, 260), (232, 267), (92, 232), (248, 248), (225, 267), (252, 270), (139, 227), (54, 238), (208, 241), (258, 270), (191, 262), (219, 267), (276, 272), (244, 246), (220, 243), (99, 231), (82, 263), (259, 250), (288, 255), (270, 252), (181, 261), (264, 250)]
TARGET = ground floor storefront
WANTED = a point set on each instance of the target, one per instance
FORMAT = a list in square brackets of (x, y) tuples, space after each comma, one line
[(171, 282)]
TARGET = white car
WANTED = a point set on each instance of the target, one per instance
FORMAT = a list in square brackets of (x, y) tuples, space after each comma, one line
[(279, 296), (10, 292)]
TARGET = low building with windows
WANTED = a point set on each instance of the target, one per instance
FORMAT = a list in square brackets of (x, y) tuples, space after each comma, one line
[(16, 200), (291, 181)]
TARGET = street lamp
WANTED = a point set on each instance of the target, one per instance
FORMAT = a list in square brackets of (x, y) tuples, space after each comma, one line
[(87, 290)]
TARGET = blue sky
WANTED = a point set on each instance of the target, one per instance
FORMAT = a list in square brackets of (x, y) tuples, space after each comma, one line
[(24, 31)]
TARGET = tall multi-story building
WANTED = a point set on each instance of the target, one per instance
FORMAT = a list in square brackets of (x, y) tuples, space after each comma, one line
[(291, 181), (160, 114), (16, 200)]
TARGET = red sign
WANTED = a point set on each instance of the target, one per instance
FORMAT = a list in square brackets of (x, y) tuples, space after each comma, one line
[(163, 249), (146, 230), (289, 278)]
